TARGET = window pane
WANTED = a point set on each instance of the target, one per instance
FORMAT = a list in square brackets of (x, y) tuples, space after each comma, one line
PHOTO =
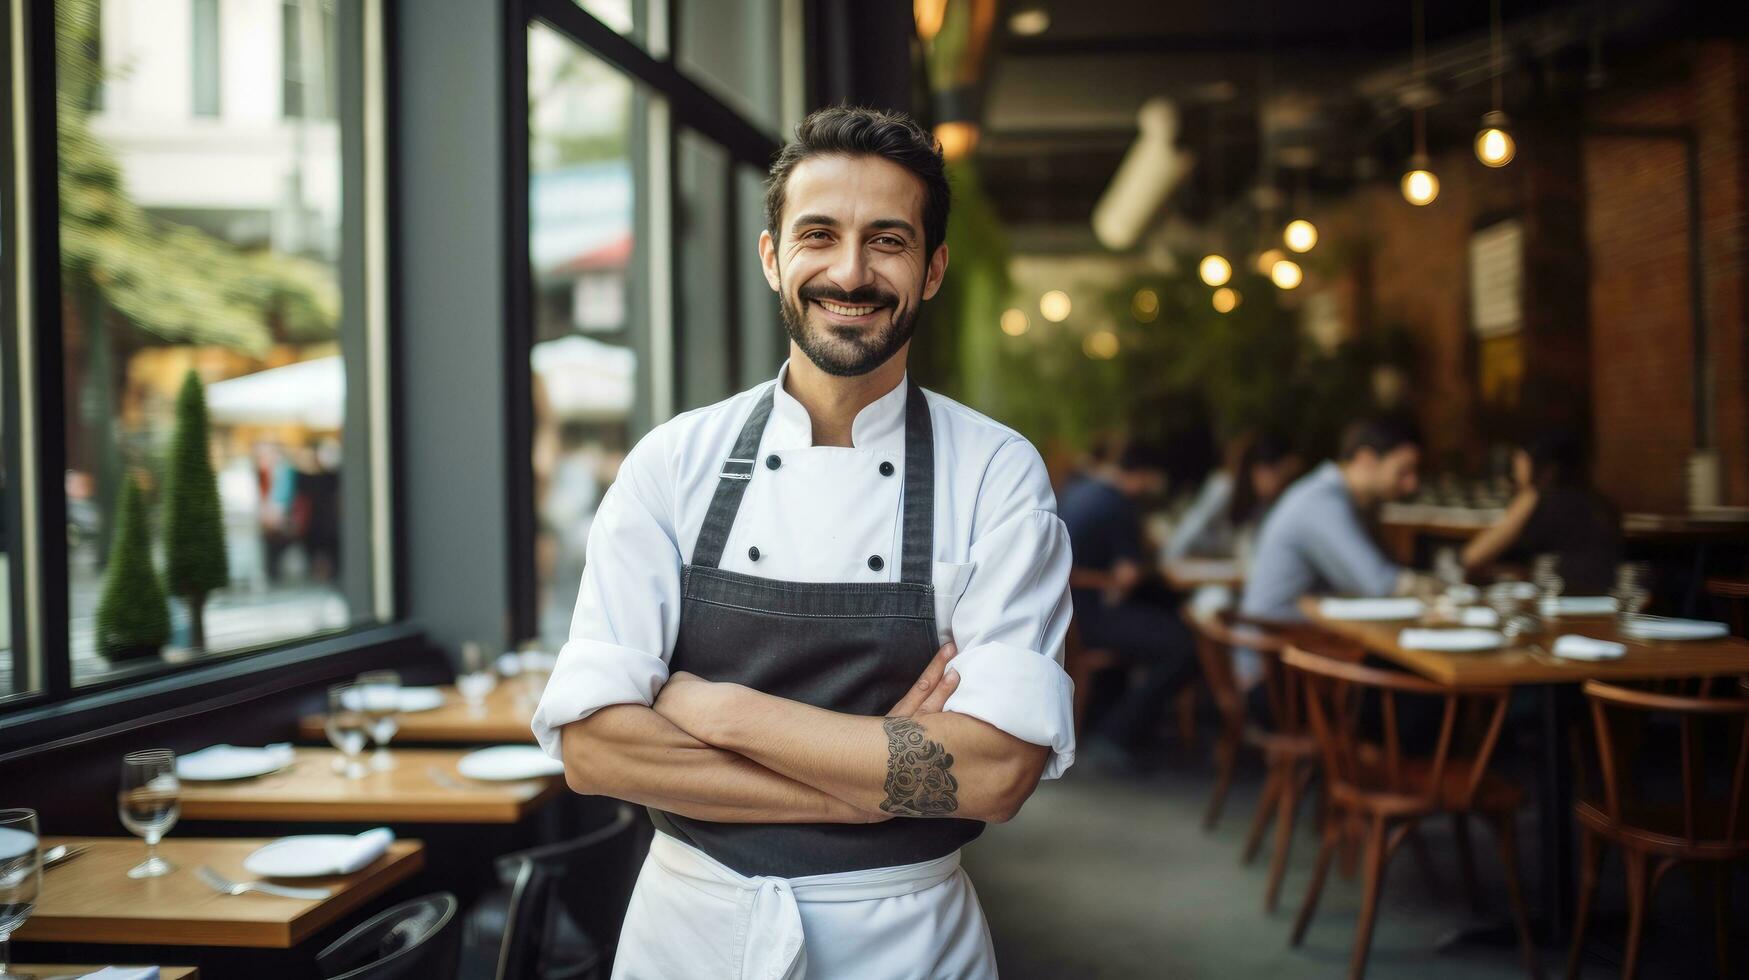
[(627, 18), (210, 279), (703, 318), (731, 48), (763, 342), (587, 194)]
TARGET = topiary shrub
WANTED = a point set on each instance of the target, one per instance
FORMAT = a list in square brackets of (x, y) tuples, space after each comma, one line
[(133, 617)]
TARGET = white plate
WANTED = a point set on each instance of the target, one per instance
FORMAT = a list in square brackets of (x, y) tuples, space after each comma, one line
[(314, 855), (1451, 641), (222, 762), (1373, 610), (421, 698), (1658, 628), (508, 763)]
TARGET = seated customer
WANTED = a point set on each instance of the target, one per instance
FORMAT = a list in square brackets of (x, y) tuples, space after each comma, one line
[(1223, 521), (1316, 538), (1555, 511), (1118, 603)]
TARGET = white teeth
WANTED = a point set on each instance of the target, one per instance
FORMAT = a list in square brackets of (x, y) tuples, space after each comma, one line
[(848, 310)]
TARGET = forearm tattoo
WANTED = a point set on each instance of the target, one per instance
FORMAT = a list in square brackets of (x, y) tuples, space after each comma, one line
[(918, 781)]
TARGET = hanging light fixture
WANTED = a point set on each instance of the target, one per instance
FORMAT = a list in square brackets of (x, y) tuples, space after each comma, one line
[(1494, 144), (1419, 184), (1054, 306), (1286, 274), (1014, 322), (1267, 259), (1300, 235), (1215, 270), (1226, 300)]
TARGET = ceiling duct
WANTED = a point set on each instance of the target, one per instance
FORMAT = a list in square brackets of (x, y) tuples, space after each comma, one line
[(1150, 170)]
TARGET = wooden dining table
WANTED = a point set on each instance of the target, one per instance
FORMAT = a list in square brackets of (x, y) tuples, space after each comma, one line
[(1531, 664), (424, 787), (503, 717), (55, 971), (91, 899)]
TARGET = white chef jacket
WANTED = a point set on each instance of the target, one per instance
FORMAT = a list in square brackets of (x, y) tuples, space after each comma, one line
[(1001, 562), (1000, 572)]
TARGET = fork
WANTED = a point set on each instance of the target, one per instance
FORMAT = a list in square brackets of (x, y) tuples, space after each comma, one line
[(220, 883)]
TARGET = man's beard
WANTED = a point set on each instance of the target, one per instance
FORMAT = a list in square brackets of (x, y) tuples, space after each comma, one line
[(848, 352)]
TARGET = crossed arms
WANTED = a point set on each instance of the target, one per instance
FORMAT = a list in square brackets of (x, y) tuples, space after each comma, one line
[(728, 753)]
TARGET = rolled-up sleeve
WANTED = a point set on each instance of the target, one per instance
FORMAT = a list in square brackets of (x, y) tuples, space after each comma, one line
[(1010, 622), (628, 609)]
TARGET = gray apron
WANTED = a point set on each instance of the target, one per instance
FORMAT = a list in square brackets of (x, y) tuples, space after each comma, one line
[(847, 647)]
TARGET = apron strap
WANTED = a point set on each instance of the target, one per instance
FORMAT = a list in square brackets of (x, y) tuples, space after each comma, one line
[(918, 543), (732, 485), (918, 535)]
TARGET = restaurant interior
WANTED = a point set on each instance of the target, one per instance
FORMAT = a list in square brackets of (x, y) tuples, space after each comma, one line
[(293, 529)]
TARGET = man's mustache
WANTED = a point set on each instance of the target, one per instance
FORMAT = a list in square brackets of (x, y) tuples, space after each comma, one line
[(863, 296)]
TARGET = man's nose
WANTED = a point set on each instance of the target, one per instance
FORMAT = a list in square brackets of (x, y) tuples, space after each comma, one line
[(849, 269)]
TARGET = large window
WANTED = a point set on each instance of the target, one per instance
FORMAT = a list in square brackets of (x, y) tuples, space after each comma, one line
[(644, 294), (220, 476)]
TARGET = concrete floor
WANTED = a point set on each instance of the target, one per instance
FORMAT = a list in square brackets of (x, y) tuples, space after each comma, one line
[(1114, 877)]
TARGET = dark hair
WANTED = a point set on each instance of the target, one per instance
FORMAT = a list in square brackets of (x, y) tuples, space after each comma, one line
[(1255, 449), (1381, 435), (1144, 455), (1557, 458), (856, 131)]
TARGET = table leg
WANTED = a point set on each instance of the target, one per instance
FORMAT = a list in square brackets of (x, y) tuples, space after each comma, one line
[(1555, 817)]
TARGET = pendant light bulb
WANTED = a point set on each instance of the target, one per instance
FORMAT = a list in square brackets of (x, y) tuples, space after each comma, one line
[(1420, 186), (1494, 144), (1215, 270), (1300, 235)]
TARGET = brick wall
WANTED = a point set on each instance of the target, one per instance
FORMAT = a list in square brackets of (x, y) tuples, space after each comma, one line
[(1638, 240)]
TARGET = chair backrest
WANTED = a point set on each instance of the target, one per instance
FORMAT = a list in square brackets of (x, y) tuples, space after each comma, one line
[(1361, 758), (415, 940), (588, 879), (1222, 633), (1712, 749)]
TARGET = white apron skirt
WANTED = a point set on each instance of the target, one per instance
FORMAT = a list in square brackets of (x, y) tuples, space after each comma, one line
[(692, 917)]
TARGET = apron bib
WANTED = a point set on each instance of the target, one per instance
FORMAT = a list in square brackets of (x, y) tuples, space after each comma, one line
[(854, 648)]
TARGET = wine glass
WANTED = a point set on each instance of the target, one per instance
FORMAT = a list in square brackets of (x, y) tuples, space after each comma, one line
[(536, 669), (149, 803), (21, 876), (379, 696), (347, 726), (1545, 575), (1630, 592), (477, 678)]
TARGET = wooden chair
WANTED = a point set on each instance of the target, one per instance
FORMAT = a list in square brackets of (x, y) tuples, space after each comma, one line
[(1290, 753), (1734, 592), (1371, 781), (415, 940), (1081, 663), (1691, 823)]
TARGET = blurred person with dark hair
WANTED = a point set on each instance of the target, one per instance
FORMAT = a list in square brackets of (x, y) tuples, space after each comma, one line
[(1223, 521), (1318, 537), (1120, 603), (1555, 511)]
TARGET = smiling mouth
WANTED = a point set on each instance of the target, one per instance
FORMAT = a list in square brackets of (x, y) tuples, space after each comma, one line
[(844, 309)]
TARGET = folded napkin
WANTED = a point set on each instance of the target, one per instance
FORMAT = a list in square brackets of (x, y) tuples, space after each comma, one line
[(1402, 607), (366, 847), (1480, 616), (1661, 628), (1578, 605), (1575, 647), (1450, 640), (222, 761), (123, 973)]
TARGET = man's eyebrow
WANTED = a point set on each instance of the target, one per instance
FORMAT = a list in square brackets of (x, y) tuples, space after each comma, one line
[(825, 220), (883, 224)]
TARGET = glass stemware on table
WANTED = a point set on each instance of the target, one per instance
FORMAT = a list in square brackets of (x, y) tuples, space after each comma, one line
[(1545, 575), (348, 727), (379, 697), (1631, 592), (149, 802), (477, 678), (20, 877), (536, 669)]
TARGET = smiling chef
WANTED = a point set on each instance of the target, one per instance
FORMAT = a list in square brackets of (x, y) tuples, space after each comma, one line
[(821, 625)]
